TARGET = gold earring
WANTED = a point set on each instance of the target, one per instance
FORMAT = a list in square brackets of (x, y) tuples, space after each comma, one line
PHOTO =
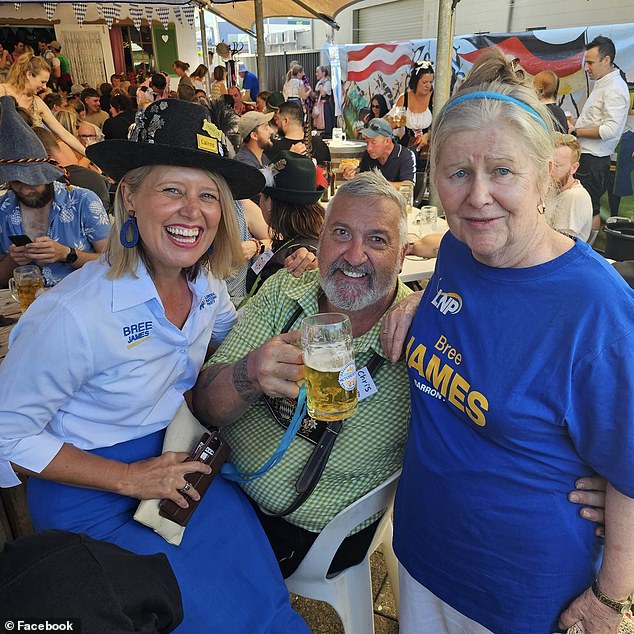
[(541, 208)]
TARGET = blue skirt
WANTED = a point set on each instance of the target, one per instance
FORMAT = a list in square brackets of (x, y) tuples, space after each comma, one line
[(227, 573)]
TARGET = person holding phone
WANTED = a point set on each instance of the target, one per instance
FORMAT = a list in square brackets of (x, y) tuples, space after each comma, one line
[(65, 226), (84, 412)]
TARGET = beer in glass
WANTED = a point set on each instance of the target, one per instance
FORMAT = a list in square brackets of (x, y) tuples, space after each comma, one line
[(26, 284), (329, 369)]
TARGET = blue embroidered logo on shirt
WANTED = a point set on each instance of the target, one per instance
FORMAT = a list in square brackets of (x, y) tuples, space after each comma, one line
[(207, 300), (137, 333)]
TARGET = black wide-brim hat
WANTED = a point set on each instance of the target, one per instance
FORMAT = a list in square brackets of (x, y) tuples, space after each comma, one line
[(295, 179), (179, 133), (22, 155)]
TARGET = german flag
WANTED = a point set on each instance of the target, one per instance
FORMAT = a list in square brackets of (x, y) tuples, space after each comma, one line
[(565, 59)]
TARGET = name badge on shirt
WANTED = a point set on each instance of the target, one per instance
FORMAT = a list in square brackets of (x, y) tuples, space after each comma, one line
[(365, 383), (258, 265)]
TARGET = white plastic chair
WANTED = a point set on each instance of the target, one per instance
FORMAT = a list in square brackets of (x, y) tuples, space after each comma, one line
[(350, 591)]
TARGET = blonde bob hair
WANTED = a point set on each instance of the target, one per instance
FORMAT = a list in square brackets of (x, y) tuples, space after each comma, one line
[(227, 249), (493, 73)]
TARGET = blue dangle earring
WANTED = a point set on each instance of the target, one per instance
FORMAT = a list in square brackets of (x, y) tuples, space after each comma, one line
[(131, 224), (210, 250)]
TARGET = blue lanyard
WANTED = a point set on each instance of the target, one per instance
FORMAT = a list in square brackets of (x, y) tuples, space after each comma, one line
[(230, 471)]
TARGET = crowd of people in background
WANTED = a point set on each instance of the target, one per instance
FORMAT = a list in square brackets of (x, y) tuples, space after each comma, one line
[(184, 183)]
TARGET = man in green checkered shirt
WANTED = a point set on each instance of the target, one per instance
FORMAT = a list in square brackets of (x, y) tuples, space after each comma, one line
[(361, 250)]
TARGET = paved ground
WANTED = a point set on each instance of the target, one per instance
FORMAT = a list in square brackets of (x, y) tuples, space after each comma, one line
[(322, 618)]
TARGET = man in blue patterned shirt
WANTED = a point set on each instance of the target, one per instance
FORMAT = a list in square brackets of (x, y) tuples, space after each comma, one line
[(66, 226)]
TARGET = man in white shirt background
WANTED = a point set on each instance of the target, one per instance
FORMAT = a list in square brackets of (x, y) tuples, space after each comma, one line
[(570, 211), (602, 120)]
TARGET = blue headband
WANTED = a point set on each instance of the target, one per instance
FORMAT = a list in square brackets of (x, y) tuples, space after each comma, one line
[(485, 94)]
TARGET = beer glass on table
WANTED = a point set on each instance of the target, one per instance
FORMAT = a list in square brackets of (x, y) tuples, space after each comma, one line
[(407, 191), (329, 369), (26, 284)]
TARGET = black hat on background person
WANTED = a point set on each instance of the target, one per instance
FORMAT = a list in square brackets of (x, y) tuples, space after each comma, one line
[(179, 133), (274, 101), (292, 178), (18, 144)]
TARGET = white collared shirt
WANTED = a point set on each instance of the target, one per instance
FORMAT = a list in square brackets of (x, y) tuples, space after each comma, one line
[(95, 362), (605, 108)]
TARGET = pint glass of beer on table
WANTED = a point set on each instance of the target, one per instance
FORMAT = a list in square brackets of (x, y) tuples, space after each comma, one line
[(329, 369), (26, 284)]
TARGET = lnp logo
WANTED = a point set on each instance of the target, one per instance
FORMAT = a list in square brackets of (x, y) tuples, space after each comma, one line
[(207, 300), (447, 302)]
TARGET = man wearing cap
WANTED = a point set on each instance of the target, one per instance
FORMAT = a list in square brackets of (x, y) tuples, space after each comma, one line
[(395, 162), (250, 82), (67, 226), (60, 67), (257, 136)]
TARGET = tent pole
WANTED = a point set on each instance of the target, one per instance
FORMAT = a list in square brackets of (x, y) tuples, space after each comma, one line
[(259, 38), (444, 51), (203, 41)]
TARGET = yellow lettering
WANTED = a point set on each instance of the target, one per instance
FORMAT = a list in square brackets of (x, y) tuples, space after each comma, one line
[(409, 345), (441, 343), (439, 379), (458, 359), (475, 399), (451, 354), (458, 391), (416, 358)]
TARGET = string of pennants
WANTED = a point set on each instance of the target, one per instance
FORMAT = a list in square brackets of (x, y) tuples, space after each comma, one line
[(111, 12)]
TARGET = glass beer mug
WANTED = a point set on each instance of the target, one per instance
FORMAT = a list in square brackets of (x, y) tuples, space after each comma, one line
[(26, 284), (329, 369)]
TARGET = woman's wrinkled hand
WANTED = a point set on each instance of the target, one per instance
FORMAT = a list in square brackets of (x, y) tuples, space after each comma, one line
[(299, 261), (590, 493), (590, 615), (396, 325), (163, 478)]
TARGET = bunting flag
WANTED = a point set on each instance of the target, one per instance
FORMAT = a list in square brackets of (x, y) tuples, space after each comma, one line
[(80, 8), (164, 16), (136, 13), (189, 10), (110, 12), (149, 13), (178, 14), (50, 7), (17, 5)]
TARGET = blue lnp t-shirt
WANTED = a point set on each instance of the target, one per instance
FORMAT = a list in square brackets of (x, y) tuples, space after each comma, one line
[(77, 219), (521, 381)]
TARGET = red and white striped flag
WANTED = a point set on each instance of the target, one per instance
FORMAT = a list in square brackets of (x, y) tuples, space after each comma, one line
[(386, 59)]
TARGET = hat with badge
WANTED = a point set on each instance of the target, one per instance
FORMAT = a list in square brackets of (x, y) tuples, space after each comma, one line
[(292, 178), (180, 133), (23, 158)]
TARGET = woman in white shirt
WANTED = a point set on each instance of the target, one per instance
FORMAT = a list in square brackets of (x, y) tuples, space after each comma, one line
[(99, 365), (294, 89), (416, 101)]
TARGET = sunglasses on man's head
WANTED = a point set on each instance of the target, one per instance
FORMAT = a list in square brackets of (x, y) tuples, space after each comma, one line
[(375, 128)]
